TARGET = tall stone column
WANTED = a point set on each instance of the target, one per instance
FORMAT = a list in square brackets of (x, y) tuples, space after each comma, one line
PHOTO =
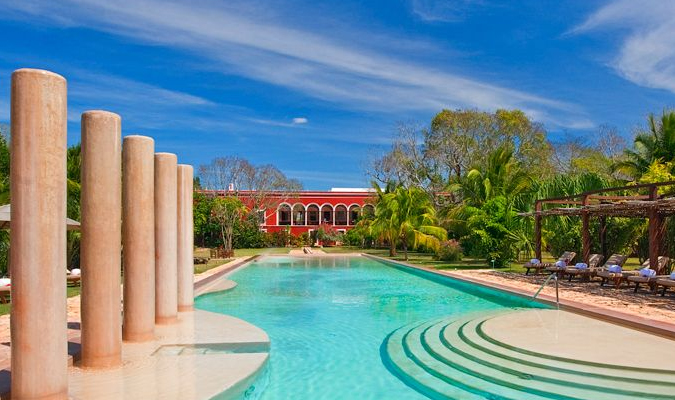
[(166, 239), (38, 235), (101, 243), (138, 238), (185, 239)]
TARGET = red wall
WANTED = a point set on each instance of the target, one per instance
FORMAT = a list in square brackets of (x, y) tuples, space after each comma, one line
[(307, 198)]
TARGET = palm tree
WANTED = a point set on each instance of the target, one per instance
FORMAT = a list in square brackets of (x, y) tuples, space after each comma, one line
[(501, 176), (406, 215), (655, 144)]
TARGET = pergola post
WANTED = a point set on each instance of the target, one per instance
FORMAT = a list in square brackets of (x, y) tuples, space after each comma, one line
[(654, 230), (101, 239), (38, 235), (537, 230), (585, 232), (603, 236)]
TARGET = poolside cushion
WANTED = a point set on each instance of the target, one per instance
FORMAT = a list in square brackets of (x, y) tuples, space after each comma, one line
[(614, 268), (646, 272)]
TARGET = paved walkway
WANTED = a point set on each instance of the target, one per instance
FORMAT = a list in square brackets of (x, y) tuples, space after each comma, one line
[(642, 304)]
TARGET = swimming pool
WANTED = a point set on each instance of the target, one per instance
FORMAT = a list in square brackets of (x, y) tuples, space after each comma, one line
[(327, 319)]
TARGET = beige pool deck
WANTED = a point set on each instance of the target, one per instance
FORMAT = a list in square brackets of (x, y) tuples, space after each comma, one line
[(188, 360), (568, 335)]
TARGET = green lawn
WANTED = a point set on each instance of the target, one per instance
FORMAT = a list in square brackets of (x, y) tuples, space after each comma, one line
[(266, 250), (71, 291), (216, 262), (201, 252)]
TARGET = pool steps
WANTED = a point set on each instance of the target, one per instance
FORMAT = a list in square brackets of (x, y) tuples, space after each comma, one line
[(453, 358)]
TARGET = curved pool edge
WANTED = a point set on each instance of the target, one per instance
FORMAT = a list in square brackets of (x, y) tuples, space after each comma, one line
[(204, 285), (647, 325)]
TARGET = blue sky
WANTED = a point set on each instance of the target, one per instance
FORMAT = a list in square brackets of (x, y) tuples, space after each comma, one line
[(317, 88)]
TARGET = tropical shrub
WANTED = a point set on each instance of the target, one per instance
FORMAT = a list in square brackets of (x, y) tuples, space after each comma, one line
[(326, 235), (449, 250), (490, 237), (247, 234), (304, 239), (277, 239)]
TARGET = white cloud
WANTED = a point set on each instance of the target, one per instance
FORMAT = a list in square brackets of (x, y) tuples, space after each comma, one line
[(300, 120), (266, 50), (442, 10), (646, 54)]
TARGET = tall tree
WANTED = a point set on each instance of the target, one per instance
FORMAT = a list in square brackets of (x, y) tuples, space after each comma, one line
[(407, 216), (501, 175), (656, 143), (227, 211), (261, 187), (433, 158), (4, 164), (73, 164)]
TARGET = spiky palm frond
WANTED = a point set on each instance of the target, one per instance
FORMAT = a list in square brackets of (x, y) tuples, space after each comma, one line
[(656, 143)]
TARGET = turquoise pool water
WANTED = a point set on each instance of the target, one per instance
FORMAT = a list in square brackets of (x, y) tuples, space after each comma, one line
[(328, 317)]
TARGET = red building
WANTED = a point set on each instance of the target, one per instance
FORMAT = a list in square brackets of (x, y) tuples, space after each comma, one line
[(304, 211)]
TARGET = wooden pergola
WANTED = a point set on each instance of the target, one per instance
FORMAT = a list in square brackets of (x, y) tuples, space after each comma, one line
[(601, 204)]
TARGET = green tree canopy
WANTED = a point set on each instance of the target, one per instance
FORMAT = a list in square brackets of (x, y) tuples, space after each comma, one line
[(657, 143), (227, 211)]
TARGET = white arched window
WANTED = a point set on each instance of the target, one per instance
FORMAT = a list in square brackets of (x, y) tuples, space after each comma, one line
[(284, 214)]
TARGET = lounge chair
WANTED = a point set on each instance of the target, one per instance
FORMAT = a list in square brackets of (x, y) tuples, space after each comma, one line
[(616, 276), (666, 282), (650, 280), (563, 261), (5, 294), (536, 265), (594, 261), (73, 278)]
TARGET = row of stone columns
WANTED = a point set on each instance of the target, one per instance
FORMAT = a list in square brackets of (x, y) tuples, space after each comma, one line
[(131, 199)]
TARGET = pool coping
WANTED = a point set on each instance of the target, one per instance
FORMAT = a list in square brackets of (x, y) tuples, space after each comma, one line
[(201, 286), (660, 328)]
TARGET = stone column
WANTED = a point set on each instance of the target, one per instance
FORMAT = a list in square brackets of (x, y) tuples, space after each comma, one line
[(166, 239), (100, 249), (185, 239), (138, 238), (38, 235)]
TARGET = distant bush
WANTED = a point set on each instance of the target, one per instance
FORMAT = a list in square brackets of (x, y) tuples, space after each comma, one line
[(450, 250), (304, 239), (359, 236), (278, 239), (247, 233)]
